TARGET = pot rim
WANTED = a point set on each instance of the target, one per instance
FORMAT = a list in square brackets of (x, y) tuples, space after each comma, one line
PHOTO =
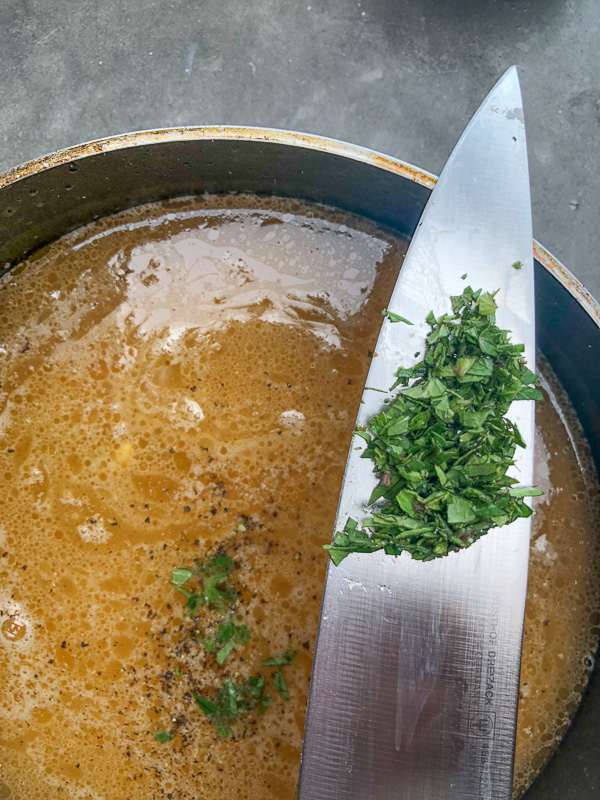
[(294, 139)]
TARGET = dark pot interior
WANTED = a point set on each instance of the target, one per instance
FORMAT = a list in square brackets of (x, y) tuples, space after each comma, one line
[(47, 198)]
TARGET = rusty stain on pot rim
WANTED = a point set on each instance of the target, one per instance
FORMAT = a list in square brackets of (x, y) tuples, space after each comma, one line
[(293, 139)]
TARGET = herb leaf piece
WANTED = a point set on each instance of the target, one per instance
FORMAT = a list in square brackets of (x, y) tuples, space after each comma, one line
[(283, 660), (395, 317), (207, 707), (224, 639), (225, 651), (241, 634), (280, 685), (524, 491), (529, 393), (162, 736), (181, 576)]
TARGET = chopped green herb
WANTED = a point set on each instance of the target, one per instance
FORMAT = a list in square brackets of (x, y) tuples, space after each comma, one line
[(225, 630), (206, 641), (486, 304), (225, 651), (233, 702), (523, 491), (395, 317), (280, 685), (181, 576), (443, 446), (283, 660), (529, 393), (462, 277), (517, 264), (241, 634), (213, 576), (227, 634), (215, 573), (162, 736), (206, 706)]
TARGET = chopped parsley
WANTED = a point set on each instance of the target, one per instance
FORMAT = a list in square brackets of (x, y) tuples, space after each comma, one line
[(280, 685), (181, 576), (224, 639), (215, 593), (162, 736), (517, 264), (234, 701), (283, 660), (215, 589), (224, 651), (395, 317), (442, 447)]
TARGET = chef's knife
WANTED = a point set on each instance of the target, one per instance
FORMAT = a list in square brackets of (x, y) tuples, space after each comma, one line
[(415, 680)]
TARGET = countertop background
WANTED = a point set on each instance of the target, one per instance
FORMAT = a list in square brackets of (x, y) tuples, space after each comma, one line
[(399, 76)]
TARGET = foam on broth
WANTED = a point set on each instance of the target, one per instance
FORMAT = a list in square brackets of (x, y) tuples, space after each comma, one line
[(172, 373)]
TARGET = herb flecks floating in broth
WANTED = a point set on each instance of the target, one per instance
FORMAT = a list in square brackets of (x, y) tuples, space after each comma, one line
[(180, 378), (188, 372), (212, 599)]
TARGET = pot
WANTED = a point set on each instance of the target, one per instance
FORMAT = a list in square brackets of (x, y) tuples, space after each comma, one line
[(48, 197)]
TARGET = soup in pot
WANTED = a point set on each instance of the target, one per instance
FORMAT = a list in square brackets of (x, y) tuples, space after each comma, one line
[(179, 382)]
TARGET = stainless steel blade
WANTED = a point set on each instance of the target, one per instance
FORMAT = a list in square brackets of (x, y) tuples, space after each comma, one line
[(415, 680)]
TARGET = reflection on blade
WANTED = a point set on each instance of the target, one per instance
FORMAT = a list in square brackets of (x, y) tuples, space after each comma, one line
[(415, 680)]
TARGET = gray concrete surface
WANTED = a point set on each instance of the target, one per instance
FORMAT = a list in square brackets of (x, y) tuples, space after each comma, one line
[(401, 76)]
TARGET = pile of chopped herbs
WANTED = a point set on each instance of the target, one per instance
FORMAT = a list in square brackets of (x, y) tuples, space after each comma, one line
[(442, 446), (209, 585)]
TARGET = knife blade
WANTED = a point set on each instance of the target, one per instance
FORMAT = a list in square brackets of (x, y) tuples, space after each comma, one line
[(415, 679)]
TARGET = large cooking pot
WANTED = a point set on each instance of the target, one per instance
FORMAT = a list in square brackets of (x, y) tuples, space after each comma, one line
[(46, 198)]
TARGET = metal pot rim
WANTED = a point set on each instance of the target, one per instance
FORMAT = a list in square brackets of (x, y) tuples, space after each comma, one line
[(293, 139)]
